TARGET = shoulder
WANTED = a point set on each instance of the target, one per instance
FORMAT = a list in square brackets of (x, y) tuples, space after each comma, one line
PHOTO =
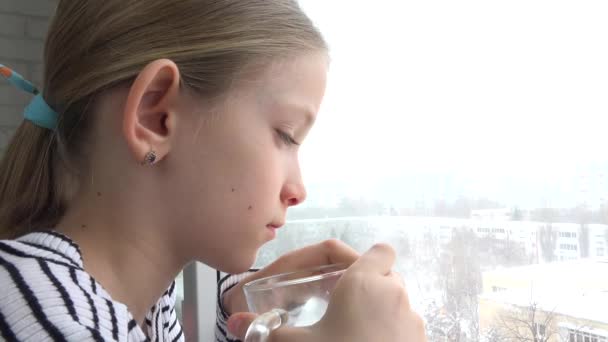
[(27, 269), (35, 272), (48, 296)]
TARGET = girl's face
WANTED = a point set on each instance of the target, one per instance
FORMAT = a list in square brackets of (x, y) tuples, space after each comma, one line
[(237, 170)]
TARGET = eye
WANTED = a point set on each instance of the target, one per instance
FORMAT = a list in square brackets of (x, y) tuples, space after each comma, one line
[(287, 139)]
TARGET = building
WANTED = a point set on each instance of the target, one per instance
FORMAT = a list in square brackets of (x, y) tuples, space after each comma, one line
[(500, 214), (565, 301)]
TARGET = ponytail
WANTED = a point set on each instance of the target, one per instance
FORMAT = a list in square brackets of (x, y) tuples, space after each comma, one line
[(30, 197)]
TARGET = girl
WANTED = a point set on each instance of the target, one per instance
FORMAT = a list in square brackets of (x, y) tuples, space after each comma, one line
[(168, 132)]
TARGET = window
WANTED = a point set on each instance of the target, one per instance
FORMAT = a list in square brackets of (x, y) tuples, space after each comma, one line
[(567, 235), (585, 336), (540, 330), (449, 112), (568, 247), (456, 131)]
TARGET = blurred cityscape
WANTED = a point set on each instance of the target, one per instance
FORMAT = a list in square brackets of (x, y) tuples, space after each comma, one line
[(477, 271)]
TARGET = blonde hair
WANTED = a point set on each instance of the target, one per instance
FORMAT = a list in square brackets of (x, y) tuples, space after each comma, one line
[(93, 46)]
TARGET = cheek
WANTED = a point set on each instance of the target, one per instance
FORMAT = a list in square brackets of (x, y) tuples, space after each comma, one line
[(264, 180), (219, 193), (253, 172), (222, 209), (234, 180)]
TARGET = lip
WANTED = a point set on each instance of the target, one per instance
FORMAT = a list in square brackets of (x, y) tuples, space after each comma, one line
[(275, 225)]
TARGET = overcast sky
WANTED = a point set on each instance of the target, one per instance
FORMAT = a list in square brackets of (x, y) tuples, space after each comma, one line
[(479, 88)]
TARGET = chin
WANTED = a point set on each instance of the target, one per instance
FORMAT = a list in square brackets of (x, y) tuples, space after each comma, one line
[(236, 269), (237, 263)]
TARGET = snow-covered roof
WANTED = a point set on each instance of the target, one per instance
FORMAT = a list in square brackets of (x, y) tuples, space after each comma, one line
[(576, 288)]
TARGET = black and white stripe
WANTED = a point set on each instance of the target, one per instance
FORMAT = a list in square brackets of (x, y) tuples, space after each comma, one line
[(32, 302), (48, 296), (225, 283)]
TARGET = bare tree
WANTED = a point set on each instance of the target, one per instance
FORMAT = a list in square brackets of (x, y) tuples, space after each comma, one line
[(526, 325), (459, 278), (548, 241), (442, 326), (517, 214), (495, 251)]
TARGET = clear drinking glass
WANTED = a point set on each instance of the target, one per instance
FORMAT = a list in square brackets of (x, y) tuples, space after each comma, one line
[(294, 299)]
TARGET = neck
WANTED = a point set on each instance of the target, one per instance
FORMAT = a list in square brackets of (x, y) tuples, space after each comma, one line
[(130, 256)]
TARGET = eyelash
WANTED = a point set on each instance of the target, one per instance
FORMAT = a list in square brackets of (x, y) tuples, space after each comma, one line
[(287, 139)]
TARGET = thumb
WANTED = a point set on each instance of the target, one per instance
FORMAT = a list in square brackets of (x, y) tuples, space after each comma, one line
[(239, 323)]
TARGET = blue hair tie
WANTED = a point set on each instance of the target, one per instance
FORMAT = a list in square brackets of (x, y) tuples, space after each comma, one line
[(38, 111)]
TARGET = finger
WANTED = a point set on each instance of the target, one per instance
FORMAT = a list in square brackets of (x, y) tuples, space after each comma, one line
[(327, 252), (239, 323), (378, 259), (331, 251), (338, 252)]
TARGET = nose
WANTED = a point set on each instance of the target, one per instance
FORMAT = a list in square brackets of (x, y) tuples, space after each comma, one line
[(293, 193)]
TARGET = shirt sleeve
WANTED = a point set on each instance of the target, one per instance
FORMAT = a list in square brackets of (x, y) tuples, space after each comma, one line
[(225, 283)]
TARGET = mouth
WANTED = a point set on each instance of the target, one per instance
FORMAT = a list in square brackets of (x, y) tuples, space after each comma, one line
[(272, 229), (275, 225)]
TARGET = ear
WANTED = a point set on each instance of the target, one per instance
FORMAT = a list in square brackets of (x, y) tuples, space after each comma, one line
[(149, 112)]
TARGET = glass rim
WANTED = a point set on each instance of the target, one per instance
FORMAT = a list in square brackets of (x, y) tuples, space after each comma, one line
[(262, 285)]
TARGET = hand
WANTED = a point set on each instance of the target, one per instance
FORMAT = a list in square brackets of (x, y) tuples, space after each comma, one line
[(370, 303), (325, 253)]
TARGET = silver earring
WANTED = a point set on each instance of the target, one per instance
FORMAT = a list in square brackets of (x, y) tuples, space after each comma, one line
[(150, 158)]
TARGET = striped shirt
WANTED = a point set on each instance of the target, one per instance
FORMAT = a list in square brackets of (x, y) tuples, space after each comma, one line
[(46, 295), (225, 283)]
